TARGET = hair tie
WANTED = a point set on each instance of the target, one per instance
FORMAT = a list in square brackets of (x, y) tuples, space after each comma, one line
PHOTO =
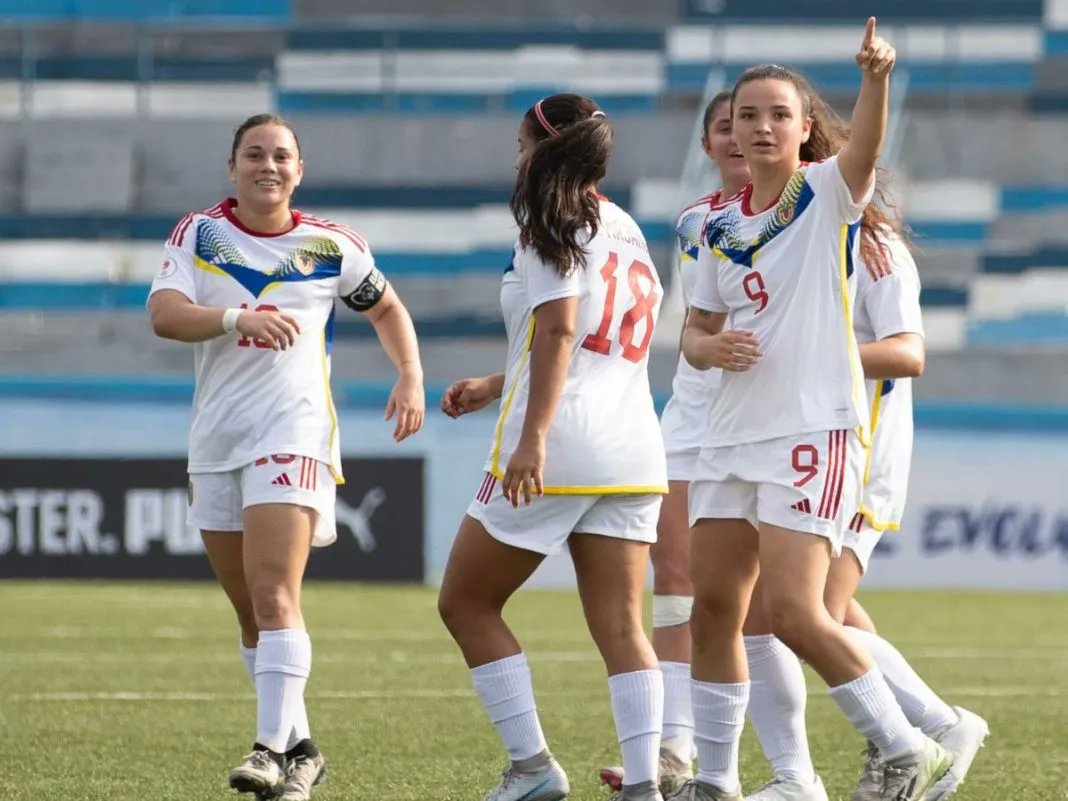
[(597, 113), (544, 122)]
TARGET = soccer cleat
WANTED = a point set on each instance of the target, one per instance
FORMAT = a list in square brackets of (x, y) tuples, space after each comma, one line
[(870, 786), (674, 773), (790, 790), (694, 790), (258, 773), (911, 777), (302, 773), (539, 778), (962, 741)]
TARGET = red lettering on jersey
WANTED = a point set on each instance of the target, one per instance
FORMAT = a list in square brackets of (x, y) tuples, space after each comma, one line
[(753, 284), (644, 305)]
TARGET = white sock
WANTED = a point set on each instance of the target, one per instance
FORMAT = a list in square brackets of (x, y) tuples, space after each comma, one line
[(921, 706), (638, 709), (283, 663), (777, 700), (718, 716), (871, 708), (506, 691), (301, 727), (678, 710)]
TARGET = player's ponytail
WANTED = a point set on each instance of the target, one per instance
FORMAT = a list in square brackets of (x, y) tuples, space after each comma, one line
[(828, 134), (553, 203)]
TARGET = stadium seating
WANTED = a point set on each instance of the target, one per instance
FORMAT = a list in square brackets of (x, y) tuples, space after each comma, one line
[(408, 125)]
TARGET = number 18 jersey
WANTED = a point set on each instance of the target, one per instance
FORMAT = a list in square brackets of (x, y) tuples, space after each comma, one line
[(786, 274), (605, 437)]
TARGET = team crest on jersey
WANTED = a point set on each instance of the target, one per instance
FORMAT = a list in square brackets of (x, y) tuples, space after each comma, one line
[(168, 268), (216, 253), (723, 232)]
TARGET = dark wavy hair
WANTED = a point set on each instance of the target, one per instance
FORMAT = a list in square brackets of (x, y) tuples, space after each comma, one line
[(552, 203), (256, 121), (828, 134)]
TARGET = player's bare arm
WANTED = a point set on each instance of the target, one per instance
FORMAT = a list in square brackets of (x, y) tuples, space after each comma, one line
[(898, 356), (706, 345), (395, 331), (856, 162), (174, 316), (471, 394), (550, 354)]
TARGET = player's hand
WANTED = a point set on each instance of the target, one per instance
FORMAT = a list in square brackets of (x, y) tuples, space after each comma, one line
[(736, 351), (467, 395), (408, 402), (876, 56), (522, 478), (277, 329)]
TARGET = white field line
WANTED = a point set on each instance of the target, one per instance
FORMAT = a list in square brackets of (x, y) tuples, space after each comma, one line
[(229, 656), (183, 697), (911, 650)]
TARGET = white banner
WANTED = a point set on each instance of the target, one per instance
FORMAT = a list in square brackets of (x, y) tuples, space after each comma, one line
[(985, 511)]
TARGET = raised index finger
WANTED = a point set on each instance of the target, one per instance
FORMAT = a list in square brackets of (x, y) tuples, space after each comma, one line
[(869, 33)]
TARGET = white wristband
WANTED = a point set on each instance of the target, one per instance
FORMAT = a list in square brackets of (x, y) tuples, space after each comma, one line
[(229, 319)]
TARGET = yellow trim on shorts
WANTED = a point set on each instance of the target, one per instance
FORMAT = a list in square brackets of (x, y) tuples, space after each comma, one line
[(498, 434), (851, 337), (335, 470), (876, 524)]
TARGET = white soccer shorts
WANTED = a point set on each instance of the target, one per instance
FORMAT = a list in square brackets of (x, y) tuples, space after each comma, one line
[(682, 425), (862, 540), (217, 500), (809, 483), (545, 525)]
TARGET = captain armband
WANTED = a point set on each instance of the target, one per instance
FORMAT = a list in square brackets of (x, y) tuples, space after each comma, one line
[(368, 293)]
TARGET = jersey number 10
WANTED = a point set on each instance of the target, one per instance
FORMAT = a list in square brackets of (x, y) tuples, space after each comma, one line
[(644, 305), (244, 342)]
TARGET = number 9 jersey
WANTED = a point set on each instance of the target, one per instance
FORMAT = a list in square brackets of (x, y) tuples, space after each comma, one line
[(252, 401), (605, 437)]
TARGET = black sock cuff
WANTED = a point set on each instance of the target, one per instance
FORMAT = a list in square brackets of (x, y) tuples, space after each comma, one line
[(304, 748)]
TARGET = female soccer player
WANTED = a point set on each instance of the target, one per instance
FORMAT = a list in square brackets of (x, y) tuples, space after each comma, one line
[(252, 283), (782, 461), (889, 331), (683, 426), (577, 456)]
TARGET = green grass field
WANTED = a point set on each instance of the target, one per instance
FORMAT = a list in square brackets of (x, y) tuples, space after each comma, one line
[(129, 692)]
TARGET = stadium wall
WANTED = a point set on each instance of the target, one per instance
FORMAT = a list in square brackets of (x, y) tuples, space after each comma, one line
[(986, 509)]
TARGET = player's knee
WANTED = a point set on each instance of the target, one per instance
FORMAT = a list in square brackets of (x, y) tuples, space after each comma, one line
[(458, 612), (671, 610), (715, 611), (275, 606), (671, 576), (790, 619)]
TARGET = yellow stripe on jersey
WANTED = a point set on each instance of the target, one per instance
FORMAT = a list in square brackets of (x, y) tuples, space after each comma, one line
[(865, 510), (851, 337), (498, 434), (875, 406), (208, 267), (335, 469)]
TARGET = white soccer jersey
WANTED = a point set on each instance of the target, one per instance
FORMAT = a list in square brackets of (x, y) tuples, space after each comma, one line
[(252, 401), (786, 274), (888, 303), (605, 437), (690, 385)]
